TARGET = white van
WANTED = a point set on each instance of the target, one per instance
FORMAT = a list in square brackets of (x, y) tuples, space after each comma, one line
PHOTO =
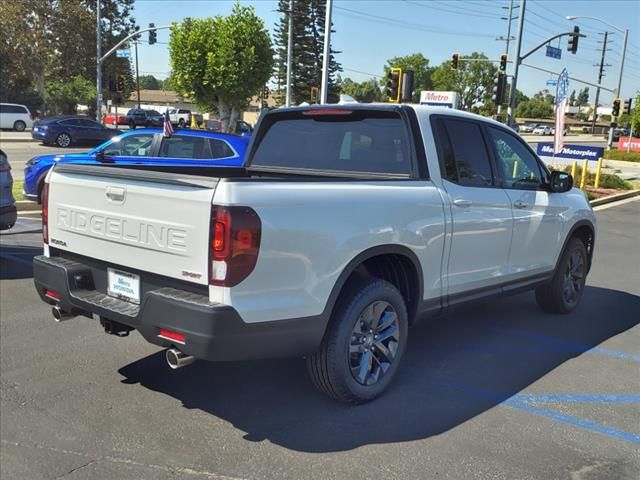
[(14, 116)]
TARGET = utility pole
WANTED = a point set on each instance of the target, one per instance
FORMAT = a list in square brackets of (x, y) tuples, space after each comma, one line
[(600, 75), (137, 75), (516, 66), (289, 54), (509, 18), (98, 65), (326, 54)]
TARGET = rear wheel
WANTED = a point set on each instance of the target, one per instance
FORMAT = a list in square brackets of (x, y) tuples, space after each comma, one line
[(19, 126), (63, 140), (132, 125), (364, 343), (563, 293)]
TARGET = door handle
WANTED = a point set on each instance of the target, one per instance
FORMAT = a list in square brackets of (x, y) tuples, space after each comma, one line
[(520, 204), (461, 202)]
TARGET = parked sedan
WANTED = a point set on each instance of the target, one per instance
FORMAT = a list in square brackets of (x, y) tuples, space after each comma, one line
[(543, 130), (67, 130), (529, 128), (111, 119), (8, 212), (146, 146), (138, 117)]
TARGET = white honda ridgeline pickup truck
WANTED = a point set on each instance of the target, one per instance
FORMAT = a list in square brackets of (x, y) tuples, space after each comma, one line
[(346, 224)]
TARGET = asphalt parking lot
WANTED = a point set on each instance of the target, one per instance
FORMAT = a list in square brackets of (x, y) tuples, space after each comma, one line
[(496, 389)]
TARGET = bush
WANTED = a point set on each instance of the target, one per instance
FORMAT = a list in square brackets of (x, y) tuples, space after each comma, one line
[(618, 155), (607, 180)]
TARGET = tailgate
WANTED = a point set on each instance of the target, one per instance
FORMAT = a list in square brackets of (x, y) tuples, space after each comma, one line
[(150, 221)]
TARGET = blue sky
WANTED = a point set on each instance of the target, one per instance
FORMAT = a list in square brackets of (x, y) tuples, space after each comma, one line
[(368, 32)]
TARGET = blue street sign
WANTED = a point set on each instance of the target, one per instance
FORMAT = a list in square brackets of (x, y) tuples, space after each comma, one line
[(552, 83), (553, 52), (126, 53), (571, 152)]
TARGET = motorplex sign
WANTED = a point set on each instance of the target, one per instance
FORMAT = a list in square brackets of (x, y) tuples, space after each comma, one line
[(569, 153)]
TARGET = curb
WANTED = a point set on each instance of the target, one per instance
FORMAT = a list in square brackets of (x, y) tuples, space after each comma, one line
[(28, 206), (16, 140), (614, 198)]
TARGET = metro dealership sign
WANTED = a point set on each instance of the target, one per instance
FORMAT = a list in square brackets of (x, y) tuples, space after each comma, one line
[(623, 143), (569, 153)]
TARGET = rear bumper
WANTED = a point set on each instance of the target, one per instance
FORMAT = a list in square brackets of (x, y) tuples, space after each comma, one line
[(8, 216), (212, 331)]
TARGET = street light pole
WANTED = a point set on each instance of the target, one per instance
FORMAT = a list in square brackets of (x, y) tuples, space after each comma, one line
[(516, 66), (326, 53), (289, 54), (98, 65)]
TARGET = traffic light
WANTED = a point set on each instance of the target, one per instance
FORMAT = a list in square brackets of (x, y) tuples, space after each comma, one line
[(153, 35), (627, 106), (394, 84), (265, 92), (503, 63), (113, 87), (498, 88), (573, 40), (615, 110), (407, 86), (120, 84), (454, 61)]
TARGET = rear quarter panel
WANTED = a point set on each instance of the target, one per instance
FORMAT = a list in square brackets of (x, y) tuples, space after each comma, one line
[(311, 230)]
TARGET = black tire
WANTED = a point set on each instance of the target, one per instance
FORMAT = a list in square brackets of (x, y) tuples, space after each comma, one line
[(181, 123), (132, 125), (332, 368), (19, 126), (562, 294), (63, 140)]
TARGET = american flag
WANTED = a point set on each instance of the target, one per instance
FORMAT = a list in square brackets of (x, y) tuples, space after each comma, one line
[(167, 129), (561, 104)]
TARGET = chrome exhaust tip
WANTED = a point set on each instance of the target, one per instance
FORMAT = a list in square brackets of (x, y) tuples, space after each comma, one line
[(59, 315), (176, 359)]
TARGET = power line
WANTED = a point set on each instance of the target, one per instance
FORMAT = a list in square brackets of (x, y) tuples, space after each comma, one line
[(450, 6)]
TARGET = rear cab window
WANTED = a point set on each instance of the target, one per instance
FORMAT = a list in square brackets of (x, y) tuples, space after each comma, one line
[(350, 141)]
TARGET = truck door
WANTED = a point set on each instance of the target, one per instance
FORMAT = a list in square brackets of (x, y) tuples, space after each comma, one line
[(482, 221)]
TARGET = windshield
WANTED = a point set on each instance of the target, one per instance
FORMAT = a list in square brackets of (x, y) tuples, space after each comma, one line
[(153, 112)]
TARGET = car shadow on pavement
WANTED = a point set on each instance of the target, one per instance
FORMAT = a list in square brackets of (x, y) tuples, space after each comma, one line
[(16, 262), (456, 367)]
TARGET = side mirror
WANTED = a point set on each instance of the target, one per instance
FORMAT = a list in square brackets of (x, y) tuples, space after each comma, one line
[(100, 155), (560, 182)]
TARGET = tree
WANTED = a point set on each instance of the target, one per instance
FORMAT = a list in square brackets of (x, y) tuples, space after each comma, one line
[(545, 96), (572, 98), (534, 108), (307, 53), (62, 97), (635, 114), (149, 82), (473, 80), (421, 72), (221, 62), (583, 97), (365, 92)]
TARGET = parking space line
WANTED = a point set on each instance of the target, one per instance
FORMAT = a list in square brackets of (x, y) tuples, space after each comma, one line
[(580, 398), (568, 345), (526, 403)]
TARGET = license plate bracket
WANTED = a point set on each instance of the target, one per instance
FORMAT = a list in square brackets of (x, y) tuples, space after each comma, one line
[(123, 285)]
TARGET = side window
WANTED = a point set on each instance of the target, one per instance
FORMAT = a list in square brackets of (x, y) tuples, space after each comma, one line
[(178, 146), (131, 146), (469, 154), (220, 148), (520, 169)]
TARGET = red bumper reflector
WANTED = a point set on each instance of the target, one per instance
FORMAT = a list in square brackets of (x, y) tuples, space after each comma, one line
[(169, 335), (52, 294)]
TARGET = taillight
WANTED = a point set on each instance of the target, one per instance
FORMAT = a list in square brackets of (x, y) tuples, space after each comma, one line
[(234, 246), (45, 213)]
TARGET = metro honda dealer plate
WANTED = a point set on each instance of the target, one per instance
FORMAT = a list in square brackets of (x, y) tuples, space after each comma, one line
[(123, 285)]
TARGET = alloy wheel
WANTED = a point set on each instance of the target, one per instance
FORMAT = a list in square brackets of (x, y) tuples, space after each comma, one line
[(574, 277)]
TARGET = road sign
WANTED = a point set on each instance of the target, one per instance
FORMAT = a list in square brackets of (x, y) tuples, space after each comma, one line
[(553, 52), (552, 83), (569, 153), (124, 53)]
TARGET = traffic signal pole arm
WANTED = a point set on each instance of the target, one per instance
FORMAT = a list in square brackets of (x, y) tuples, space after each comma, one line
[(129, 37), (534, 49), (586, 82)]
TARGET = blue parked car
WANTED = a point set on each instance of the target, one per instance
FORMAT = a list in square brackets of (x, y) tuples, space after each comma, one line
[(67, 130), (147, 146)]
